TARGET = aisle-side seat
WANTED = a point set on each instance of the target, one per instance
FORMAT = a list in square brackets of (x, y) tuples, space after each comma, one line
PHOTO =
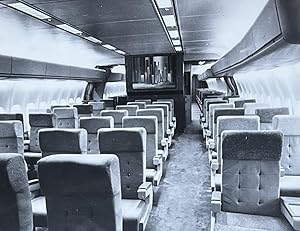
[(109, 104), (141, 105), (163, 147), (146, 101), (55, 141), (59, 106), (66, 117), (116, 114), (82, 192), (15, 209), (154, 159), (84, 110), (289, 125), (266, 115), (92, 125), (250, 181), (172, 118), (130, 108), (97, 107), (14, 116), (172, 107), (229, 97), (251, 107), (129, 144), (239, 103)]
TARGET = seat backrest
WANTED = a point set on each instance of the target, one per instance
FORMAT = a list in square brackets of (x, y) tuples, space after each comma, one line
[(97, 107), (159, 114), (150, 125), (266, 115), (289, 125), (92, 125), (146, 101), (129, 144), (204, 106), (130, 108), (208, 103), (109, 104), (58, 106), (116, 114), (37, 122), (251, 107), (84, 110), (239, 103), (66, 117), (212, 108), (141, 105), (12, 116), (229, 97), (82, 192), (62, 141), (166, 113), (11, 137), (251, 171), (170, 105), (15, 209), (225, 123)]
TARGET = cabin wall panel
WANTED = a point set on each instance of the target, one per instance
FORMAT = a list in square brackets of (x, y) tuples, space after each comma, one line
[(217, 84), (276, 87)]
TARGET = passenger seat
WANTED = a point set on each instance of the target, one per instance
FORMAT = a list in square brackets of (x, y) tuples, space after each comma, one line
[(66, 117), (266, 115), (84, 110), (130, 108), (117, 115)]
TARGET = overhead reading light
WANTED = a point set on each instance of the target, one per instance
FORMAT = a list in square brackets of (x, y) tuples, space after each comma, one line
[(120, 52), (28, 10), (178, 48), (69, 29), (201, 62), (110, 47), (174, 33), (164, 3), (176, 42), (92, 39), (169, 20)]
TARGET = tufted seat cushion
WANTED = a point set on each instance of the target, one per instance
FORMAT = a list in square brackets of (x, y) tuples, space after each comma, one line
[(130, 108), (92, 125), (15, 209), (116, 114), (250, 173), (266, 115), (66, 141), (82, 192), (66, 117), (11, 137), (239, 103), (251, 107), (84, 109), (97, 107)]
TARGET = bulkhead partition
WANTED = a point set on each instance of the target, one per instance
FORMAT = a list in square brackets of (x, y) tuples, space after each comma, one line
[(23, 95)]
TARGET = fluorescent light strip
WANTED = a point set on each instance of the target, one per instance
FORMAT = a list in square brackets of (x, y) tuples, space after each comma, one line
[(28, 10), (69, 29), (92, 39), (120, 52), (164, 3), (110, 47), (169, 20), (176, 42), (178, 48), (174, 33)]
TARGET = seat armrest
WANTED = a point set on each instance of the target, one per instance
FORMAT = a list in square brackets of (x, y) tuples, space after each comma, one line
[(174, 119), (208, 133), (34, 188), (205, 126), (164, 142), (282, 172), (157, 159), (214, 155), (216, 202), (214, 165), (211, 144), (202, 119), (144, 190), (26, 135), (168, 132)]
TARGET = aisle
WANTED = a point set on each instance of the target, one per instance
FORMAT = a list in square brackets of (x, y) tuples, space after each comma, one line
[(184, 197)]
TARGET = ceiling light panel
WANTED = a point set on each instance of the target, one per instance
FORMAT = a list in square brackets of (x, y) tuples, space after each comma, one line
[(28, 10), (176, 42), (169, 20), (120, 52), (69, 29), (164, 3), (110, 47), (92, 39), (178, 48), (174, 33)]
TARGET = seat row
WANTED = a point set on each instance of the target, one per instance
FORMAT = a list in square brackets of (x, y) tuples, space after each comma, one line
[(72, 187), (254, 159)]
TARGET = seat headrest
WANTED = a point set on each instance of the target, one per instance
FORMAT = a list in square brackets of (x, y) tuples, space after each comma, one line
[(289, 125), (39, 110), (97, 105), (220, 101), (58, 106), (11, 116), (147, 122), (251, 107), (65, 112), (212, 107), (162, 106), (130, 108), (84, 108), (63, 141), (266, 114), (239, 103), (169, 103), (122, 140), (141, 105), (73, 173), (11, 129), (146, 101), (42, 120), (230, 97), (237, 123), (116, 114), (12, 172), (158, 112), (227, 112), (92, 124), (252, 145)]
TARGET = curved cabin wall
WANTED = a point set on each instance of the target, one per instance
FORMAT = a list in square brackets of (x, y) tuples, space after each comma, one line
[(217, 84), (22, 95), (279, 86)]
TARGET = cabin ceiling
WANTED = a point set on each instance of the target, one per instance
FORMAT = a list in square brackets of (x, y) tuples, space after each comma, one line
[(208, 28)]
